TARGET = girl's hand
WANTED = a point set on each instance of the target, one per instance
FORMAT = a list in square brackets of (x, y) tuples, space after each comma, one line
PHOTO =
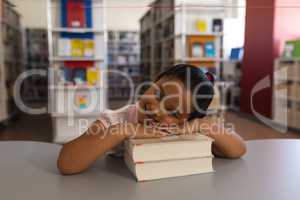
[(139, 131), (197, 126)]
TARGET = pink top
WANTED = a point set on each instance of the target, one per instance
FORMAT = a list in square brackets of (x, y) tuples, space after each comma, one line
[(126, 114), (111, 117)]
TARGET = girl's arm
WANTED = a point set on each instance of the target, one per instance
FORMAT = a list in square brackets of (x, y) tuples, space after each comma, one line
[(77, 155), (226, 143), (80, 153)]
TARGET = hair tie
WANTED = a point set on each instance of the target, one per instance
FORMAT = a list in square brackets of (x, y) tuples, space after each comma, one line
[(210, 77)]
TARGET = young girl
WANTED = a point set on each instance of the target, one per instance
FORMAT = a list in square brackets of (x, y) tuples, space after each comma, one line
[(176, 103)]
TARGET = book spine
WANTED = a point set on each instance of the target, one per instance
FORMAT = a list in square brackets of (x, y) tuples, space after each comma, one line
[(88, 13)]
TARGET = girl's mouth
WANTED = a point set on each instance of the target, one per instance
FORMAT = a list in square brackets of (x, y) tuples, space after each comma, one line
[(150, 121)]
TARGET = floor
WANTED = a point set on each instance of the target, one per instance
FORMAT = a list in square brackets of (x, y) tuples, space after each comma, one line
[(251, 129), (28, 127), (38, 128)]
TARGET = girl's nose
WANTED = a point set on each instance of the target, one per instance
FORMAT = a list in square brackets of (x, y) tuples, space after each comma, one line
[(166, 120)]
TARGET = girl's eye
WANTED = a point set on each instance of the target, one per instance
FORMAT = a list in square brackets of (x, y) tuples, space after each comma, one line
[(158, 95), (174, 113)]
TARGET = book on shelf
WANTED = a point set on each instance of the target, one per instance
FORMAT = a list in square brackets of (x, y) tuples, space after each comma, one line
[(292, 49), (121, 60), (201, 25), (82, 101), (64, 47), (88, 47), (92, 76), (77, 48), (217, 25), (77, 73), (198, 50), (201, 47), (210, 51), (80, 76), (236, 53), (66, 76), (171, 156), (76, 13), (75, 76)]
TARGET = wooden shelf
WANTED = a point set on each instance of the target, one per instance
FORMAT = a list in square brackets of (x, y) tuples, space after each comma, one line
[(77, 30), (291, 101), (201, 34), (122, 64), (123, 53), (62, 59), (73, 87), (287, 98), (289, 59), (201, 59), (122, 42), (201, 6)]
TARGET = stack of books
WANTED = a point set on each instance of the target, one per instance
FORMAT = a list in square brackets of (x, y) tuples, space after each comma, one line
[(171, 156)]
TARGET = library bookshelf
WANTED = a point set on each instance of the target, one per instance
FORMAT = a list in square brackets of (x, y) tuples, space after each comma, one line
[(124, 56), (174, 31), (11, 61), (78, 65), (286, 92)]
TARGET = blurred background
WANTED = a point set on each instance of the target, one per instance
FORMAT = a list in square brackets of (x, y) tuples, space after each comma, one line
[(252, 47)]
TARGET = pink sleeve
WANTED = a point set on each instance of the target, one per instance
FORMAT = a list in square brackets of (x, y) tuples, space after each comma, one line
[(104, 120)]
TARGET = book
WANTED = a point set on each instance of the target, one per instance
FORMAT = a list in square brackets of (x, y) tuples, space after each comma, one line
[(210, 50), (76, 16), (236, 54), (77, 48), (68, 75), (80, 76), (170, 156), (88, 13), (198, 50), (64, 47), (201, 25), (292, 49), (169, 168), (217, 25), (167, 148), (92, 76), (63, 11), (81, 101), (88, 46)]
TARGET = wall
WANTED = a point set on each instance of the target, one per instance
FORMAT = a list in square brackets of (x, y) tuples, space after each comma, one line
[(269, 24), (125, 15), (120, 14), (287, 23), (33, 12), (258, 54)]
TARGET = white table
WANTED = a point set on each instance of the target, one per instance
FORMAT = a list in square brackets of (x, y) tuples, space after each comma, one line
[(269, 171)]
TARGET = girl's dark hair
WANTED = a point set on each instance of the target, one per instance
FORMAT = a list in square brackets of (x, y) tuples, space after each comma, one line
[(193, 78)]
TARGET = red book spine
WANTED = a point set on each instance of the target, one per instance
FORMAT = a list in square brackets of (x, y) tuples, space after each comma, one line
[(75, 14), (79, 64)]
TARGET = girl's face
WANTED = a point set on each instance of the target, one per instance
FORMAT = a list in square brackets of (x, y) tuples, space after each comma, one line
[(167, 102)]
